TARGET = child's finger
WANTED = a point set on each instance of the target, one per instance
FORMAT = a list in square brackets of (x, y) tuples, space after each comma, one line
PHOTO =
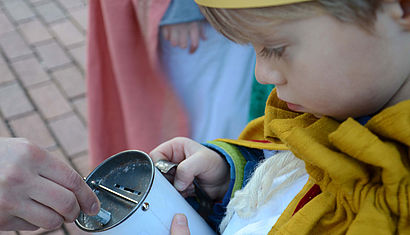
[(165, 32), (56, 197), (194, 35), (174, 37), (187, 171), (60, 173), (173, 150), (202, 31), (183, 37), (189, 191)]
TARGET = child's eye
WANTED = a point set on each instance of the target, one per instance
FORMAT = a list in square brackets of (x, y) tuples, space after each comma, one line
[(276, 52)]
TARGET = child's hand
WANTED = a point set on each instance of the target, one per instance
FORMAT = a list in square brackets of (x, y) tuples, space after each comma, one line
[(195, 160), (181, 34), (38, 190)]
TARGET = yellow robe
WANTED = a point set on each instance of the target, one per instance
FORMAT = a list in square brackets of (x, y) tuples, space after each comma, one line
[(363, 171)]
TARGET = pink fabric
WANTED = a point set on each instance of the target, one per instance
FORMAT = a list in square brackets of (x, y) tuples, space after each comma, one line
[(149, 14), (130, 103)]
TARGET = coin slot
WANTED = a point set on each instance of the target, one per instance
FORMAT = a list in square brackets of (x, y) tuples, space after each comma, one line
[(127, 189)]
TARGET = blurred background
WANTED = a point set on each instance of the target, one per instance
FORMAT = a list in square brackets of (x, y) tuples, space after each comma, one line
[(42, 82)]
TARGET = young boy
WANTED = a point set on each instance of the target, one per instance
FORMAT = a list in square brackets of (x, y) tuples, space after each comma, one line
[(341, 106)]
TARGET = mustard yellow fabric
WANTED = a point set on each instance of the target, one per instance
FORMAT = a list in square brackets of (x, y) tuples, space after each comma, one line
[(363, 171), (245, 3)]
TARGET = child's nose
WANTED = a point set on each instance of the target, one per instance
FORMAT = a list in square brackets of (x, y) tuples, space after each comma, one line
[(265, 73)]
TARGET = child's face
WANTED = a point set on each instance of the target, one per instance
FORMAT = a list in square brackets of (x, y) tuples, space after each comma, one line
[(326, 67)]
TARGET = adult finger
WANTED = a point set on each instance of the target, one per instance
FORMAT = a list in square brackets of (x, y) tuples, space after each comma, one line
[(56, 197), (179, 225), (16, 224), (60, 173), (38, 215)]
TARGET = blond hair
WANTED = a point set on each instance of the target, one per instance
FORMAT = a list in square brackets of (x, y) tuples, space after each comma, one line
[(246, 25)]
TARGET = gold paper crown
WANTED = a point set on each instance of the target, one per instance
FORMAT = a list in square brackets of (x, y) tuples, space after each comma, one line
[(245, 3)]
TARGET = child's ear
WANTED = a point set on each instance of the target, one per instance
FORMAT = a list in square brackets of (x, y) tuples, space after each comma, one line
[(400, 11), (404, 20)]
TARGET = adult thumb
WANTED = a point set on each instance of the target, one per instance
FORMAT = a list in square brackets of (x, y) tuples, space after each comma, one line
[(179, 225)]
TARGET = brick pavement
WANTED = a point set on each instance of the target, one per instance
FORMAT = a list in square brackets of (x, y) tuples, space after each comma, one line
[(42, 84)]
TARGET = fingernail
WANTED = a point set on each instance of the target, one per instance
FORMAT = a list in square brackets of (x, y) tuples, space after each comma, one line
[(180, 219), (179, 185), (95, 208)]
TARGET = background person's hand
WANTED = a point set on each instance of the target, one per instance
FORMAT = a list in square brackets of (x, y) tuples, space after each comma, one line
[(179, 225), (195, 161), (38, 190), (183, 34)]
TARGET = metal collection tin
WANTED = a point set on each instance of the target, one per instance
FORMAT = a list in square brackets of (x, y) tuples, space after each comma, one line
[(136, 199)]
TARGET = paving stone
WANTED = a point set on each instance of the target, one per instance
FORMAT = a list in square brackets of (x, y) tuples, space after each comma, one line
[(81, 164), (71, 134), (30, 71), (19, 10), (6, 74), (79, 54), (3, 2), (4, 130), (26, 23), (49, 100), (80, 17), (71, 4), (34, 32), (33, 128), (50, 12), (13, 45), (5, 25), (52, 55), (13, 101), (80, 105), (71, 80), (67, 33)]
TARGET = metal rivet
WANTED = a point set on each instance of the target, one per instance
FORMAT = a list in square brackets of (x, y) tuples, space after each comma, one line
[(145, 206)]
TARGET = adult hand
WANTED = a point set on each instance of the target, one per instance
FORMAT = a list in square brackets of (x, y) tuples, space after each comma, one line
[(181, 34), (179, 225), (38, 190), (195, 161)]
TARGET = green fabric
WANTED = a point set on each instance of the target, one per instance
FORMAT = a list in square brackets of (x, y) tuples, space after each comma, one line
[(238, 160), (259, 95)]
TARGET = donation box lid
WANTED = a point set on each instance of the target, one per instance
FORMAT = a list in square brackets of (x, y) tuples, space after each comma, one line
[(121, 183)]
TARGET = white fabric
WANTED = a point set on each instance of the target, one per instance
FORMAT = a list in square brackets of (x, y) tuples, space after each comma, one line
[(267, 215), (214, 83)]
